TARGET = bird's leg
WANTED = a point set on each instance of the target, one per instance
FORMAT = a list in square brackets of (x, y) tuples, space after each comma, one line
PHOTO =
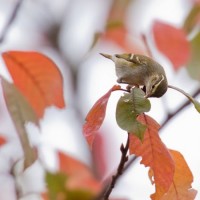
[(129, 87)]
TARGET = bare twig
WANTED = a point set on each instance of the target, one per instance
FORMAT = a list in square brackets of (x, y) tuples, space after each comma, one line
[(10, 20), (178, 110), (144, 38), (124, 158)]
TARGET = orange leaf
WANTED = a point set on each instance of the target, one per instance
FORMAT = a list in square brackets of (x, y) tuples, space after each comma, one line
[(2, 140), (172, 42), (154, 153), (79, 175), (44, 196), (119, 35), (181, 187), (37, 77), (95, 117)]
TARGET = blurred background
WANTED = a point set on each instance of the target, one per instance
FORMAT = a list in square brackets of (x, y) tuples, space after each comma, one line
[(73, 33)]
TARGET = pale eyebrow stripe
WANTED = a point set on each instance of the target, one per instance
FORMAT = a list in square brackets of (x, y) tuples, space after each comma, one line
[(162, 79)]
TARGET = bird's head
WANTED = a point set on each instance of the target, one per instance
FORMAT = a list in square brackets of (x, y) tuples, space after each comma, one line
[(156, 85)]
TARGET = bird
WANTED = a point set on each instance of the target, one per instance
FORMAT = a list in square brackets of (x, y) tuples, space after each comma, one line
[(140, 71)]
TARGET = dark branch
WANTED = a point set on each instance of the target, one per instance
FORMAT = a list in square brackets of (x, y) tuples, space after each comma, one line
[(178, 110), (10, 20), (124, 158)]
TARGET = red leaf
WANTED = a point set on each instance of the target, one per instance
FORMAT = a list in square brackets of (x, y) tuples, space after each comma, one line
[(96, 115), (120, 36), (181, 187), (2, 140), (44, 196), (172, 42), (37, 77), (79, 175), (154, 153), (99, 155), (196, 1)]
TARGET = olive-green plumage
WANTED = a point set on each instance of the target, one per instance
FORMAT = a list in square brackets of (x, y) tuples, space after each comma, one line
[(139, 70)]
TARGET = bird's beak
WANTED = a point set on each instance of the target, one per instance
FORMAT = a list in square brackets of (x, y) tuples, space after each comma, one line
[(106, 55), (147, 95)]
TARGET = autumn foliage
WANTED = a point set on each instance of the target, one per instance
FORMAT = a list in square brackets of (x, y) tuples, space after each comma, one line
[(38, 84)]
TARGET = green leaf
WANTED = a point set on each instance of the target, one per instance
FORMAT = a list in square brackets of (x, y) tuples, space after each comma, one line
[(196, 105), (58, 188), (192, 19), (56, 185), (192, 100), (194, 63), (129, 107)]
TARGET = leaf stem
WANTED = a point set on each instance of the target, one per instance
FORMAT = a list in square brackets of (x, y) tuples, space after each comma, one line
[(179, 109), (166, 121), (120, 169)]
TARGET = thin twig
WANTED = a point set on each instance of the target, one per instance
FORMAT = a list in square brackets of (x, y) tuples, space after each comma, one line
[(10, 20), (144, 38), (123, 166), (120, 169), (178, 110)]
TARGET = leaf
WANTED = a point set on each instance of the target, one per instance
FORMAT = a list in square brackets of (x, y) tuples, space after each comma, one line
[(57, 189), (79, 175), (99, 157), (194, 62), (129, 107), (56, 186), (37, 78), (197, 2), (192, 19), (172, 42), (2, 140), (74, 181), (181, 187), (44, 196), (192, 100), (21, 113), (96, 115), (154, 153)]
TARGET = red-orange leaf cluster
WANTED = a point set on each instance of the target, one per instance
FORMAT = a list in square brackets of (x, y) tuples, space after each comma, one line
[(79, 175), (181, 185), (38, 79), (154, 153), (95, 117), (2, 140), (172, 42)]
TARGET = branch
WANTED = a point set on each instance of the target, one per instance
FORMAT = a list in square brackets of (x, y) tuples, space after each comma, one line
[(11, 20), (178, 110), (169, 117), (124, 158), (144, 38)]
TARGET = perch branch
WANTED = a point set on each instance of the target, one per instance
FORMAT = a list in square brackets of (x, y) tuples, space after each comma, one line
[(124, 158), (169, 117)]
